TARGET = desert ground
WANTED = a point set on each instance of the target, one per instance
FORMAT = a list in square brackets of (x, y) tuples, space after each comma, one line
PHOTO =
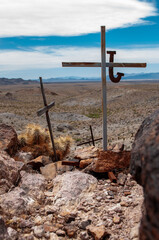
[(79, 105), (107, 210)]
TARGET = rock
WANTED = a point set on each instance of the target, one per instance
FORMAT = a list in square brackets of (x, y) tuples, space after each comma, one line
[(84, 236), (84, 224), (121, 179), (24, 157), (71, 231), (32, 182), (144, 168), (97, 232), (69, 187), (51, 170), (70, 217), (13, 234), (60, 233), (38, 231), (53, 236), (108, 161), (116, 219), (118, 147), (64, 127), (3, 229), (51, 209), (126, 193), (86, 153), (38, 220), (15, 202), (134, 233), (39, 162), (8, 139), (50, 228), (85, 163), (9, 172)]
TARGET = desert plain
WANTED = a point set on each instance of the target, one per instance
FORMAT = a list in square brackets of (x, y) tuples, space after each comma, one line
[(79, 105)]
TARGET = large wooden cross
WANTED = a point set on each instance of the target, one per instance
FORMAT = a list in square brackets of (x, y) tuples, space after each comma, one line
[(46, 111), (103, 64)]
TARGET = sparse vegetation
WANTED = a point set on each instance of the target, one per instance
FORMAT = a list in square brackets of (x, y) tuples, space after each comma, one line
[(128, 105), (36, 140)]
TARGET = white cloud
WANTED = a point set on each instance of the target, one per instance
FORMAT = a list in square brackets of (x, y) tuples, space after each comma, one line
[(69, 17), (47, 57)]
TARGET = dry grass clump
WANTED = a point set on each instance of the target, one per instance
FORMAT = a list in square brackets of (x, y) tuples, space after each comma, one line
[(36, 140)]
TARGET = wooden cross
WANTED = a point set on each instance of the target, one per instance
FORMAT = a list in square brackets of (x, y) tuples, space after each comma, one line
[(103, 64), (46, 111)]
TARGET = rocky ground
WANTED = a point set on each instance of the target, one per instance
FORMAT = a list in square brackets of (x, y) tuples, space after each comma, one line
[(59, 202), (71, 204)]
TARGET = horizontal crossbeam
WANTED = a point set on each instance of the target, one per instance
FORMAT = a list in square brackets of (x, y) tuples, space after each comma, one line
[(98, 64), (45, 109)]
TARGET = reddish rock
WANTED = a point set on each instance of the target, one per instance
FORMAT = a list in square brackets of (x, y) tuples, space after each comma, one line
[(8, 139), (9, 172), (86, 153), (85, 163), (145, 169), (51, 170), (108, 161), (71, 231), (97, 232)]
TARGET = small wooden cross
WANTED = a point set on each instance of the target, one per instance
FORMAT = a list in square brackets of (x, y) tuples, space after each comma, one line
[(103, 66), (46, 111)]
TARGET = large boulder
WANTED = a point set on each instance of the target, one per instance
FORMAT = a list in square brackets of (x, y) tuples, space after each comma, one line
[(9, 172), (145, 169), (26, 197), (8, 139), (70, 187)]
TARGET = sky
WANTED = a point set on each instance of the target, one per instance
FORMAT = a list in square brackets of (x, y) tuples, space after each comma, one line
[(36, 36)]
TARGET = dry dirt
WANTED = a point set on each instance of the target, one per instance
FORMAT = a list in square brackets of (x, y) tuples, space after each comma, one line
[(78, 105)]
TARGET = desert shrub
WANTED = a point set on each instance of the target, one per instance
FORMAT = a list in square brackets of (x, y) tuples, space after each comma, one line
[(36, 140)]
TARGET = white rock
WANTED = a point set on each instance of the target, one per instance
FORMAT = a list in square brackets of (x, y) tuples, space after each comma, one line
[(134, 233), (12, 233), (38, 231)]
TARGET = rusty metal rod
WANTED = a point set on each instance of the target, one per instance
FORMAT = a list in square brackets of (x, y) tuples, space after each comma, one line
[(112, 177), (89, 141), (92, 135), (98, 64)]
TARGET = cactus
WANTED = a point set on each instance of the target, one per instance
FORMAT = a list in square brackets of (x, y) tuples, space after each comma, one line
[(36, 140)]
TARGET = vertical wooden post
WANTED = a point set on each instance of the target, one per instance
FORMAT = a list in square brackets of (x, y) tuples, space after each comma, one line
[(104, 90), (48, 119)]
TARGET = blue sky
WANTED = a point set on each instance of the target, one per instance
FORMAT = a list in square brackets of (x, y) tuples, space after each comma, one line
[(36, 36)]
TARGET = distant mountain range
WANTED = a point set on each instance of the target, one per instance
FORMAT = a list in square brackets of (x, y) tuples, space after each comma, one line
[(131, 77), (14, 81), (140, 76)]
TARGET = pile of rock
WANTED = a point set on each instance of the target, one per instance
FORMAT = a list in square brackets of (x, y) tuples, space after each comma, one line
[(95, 160), (37, 204)]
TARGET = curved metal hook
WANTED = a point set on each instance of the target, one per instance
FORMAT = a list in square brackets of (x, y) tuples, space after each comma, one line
[(111, 74)]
